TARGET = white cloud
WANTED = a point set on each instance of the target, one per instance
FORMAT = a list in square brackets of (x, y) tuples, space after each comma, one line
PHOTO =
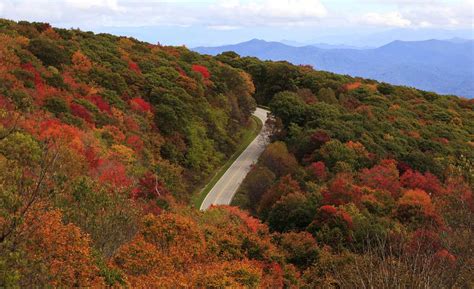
[(234, 14), (421, 13), (269, 12), (218, 13), (92, 4), (223, 27), (442, 14), (394, 19), (425, 24), (281, 8)]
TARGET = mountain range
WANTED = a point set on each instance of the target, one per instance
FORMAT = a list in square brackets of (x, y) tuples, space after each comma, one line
[(442, 66)]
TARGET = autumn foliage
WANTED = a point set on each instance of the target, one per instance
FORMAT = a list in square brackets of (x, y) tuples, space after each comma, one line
[(201, 70), (138, 104), (58, 250), (97, 132), (104, 139), (377, 172)]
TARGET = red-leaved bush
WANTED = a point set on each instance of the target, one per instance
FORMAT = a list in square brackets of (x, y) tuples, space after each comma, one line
[(149, 188), (427, 182), (80, 111), (328, 210), (202, 70), (333, 216), (100, 103), (253, 224), (318, 169), (384, 176), (134, 67), (114, 174), (139, 104), (55, 133), (341, 191), (135, 142)]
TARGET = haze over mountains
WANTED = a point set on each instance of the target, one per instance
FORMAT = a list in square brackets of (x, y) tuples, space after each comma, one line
[(442, 66)]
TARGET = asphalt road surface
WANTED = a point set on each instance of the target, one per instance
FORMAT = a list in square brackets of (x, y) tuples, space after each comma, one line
[(225, 189)]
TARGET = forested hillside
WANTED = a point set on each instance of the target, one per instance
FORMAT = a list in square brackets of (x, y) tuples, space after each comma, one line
[(381, 177), (104, 140)]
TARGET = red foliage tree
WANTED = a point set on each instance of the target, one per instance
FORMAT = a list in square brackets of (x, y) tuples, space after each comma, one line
[(201, 70), (134, 67), (80, 111), (383, 176), (328, 210), (100, 103), (139, 104), (341, 191), (333, 217), (135, 142), (427, 182), (252, 224), (114, 174), (460, 190), (149, 188), (318, 170), (56, 133)]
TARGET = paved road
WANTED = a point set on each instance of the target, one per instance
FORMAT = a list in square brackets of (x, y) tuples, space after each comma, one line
[(224, 190)]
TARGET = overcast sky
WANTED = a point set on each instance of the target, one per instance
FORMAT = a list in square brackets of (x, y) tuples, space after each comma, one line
[(220, 21)]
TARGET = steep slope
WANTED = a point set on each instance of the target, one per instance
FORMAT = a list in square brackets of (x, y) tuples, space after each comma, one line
[(433, 65), (380, 175), (103, 140)]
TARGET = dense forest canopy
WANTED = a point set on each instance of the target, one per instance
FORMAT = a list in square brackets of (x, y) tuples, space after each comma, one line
[(104, 139), (365, 168)]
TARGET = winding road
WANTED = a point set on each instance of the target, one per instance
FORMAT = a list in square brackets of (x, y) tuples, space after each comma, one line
[(226, 187)]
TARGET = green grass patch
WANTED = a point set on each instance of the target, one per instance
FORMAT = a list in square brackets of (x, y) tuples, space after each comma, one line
[(248, 136)]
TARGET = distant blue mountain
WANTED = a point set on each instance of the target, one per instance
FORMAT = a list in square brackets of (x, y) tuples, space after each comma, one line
[(442, 66), (324, 45)]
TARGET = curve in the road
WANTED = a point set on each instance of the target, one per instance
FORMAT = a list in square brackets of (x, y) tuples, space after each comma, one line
[(226, 187)]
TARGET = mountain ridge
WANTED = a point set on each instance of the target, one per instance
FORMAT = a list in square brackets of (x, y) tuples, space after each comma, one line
[(447, 63)]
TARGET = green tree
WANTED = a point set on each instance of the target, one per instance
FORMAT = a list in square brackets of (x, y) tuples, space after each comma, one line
[(49, 52), (288, 107), (327, 95), (293, 212)]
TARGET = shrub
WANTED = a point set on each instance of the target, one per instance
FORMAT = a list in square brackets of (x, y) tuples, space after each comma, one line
[(56, 105), (48, 52)]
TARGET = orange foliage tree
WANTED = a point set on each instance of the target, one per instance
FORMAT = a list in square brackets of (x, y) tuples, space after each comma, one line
[(58, 255)]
